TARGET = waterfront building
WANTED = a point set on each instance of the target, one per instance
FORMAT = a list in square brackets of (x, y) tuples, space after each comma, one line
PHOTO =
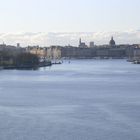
[(54, 52), (91, 44), (39, 51), (14, 50), (83, 51), (137, 53)]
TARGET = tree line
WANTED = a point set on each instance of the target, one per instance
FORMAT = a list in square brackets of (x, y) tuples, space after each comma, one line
[(21, 59)]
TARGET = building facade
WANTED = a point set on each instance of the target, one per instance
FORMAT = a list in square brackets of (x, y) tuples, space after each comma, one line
[(83, 51)]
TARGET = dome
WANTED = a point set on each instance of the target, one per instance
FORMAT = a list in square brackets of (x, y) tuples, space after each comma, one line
[(112, 42)]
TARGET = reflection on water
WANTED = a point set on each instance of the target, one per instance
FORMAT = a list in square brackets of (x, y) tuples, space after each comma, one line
[(81, 100)]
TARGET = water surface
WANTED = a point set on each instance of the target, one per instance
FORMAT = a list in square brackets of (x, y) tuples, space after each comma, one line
[(83, 100)]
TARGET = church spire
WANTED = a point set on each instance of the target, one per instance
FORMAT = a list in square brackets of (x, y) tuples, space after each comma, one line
[(80, 41)]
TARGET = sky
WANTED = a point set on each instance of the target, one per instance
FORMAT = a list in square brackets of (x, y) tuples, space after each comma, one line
[(62, 22)]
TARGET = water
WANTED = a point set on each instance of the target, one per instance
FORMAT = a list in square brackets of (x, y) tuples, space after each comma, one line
[(83, 100)]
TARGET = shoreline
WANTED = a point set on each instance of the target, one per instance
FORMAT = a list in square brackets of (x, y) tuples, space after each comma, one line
[(50, 63), (24, 67)]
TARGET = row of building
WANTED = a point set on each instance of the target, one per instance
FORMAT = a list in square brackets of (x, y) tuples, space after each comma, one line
[(82, 51)]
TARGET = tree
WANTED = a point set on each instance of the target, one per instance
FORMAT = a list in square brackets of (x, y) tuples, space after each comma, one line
[(27, 59)]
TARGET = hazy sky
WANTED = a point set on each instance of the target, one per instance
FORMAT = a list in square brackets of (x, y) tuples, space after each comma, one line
[(35, 16)]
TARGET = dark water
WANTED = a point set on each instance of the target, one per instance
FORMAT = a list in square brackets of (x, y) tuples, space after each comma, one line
[(83, 100)]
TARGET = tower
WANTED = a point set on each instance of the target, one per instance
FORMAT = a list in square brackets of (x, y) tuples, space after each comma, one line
[(82, 44), (91, 44), (80, 41), (18, 45)]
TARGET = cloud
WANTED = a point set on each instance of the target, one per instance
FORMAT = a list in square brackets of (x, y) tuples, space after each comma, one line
[(72, 38)]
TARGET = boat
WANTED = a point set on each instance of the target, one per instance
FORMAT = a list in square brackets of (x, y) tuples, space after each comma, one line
[(136, 61)]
